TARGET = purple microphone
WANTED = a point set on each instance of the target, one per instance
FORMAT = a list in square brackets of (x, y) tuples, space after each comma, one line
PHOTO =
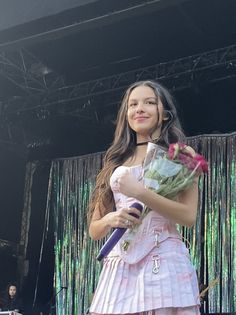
[(116, 235)]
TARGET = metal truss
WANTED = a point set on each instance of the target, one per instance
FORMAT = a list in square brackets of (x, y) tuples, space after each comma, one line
[(28, 73), (178, 74), (30, 79)]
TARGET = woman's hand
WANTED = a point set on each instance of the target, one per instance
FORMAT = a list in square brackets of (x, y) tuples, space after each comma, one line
[(100, 226), (123, 218), (129, 185)]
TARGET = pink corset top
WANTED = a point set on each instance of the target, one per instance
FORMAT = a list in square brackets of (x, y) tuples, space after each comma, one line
[(154, 228)]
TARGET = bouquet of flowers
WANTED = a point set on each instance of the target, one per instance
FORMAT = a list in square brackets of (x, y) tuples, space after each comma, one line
[(170, 172)]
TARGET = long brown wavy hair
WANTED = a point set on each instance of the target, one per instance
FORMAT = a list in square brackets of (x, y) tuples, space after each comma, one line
[(124, 144)]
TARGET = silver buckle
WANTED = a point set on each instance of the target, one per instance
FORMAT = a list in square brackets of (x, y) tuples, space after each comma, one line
[(156, 264)]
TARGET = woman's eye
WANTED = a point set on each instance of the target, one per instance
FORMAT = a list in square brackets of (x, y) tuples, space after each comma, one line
[(151, 102), (132, 104)]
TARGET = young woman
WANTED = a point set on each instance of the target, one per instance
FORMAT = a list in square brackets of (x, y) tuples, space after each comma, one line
[(155, 275), (12, 302)]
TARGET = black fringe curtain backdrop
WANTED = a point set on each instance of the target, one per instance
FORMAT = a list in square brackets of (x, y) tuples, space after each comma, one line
[(212, 240)]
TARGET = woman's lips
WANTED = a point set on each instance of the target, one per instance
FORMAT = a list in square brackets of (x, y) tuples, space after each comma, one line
[(140, 119)]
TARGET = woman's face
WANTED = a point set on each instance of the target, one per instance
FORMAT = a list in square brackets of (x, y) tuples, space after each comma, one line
[(144, 113), (12, 290)]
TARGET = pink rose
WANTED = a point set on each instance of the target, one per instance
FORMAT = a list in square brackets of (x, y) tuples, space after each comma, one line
[(202, 163), (173, 151)]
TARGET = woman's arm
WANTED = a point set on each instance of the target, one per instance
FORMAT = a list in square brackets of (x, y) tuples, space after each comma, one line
[(101, 226), (183, 211)]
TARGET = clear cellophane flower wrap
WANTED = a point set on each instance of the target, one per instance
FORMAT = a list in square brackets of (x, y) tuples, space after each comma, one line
[(170, 171)]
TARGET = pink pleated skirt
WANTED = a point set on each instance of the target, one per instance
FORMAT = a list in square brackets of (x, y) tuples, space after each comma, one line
[(162, 283), (167, 311)]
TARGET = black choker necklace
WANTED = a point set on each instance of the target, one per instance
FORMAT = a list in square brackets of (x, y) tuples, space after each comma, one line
[(146, 142), (142, 143)]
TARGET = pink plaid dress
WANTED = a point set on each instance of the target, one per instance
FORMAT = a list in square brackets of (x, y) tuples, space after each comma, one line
[(154, 276)]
